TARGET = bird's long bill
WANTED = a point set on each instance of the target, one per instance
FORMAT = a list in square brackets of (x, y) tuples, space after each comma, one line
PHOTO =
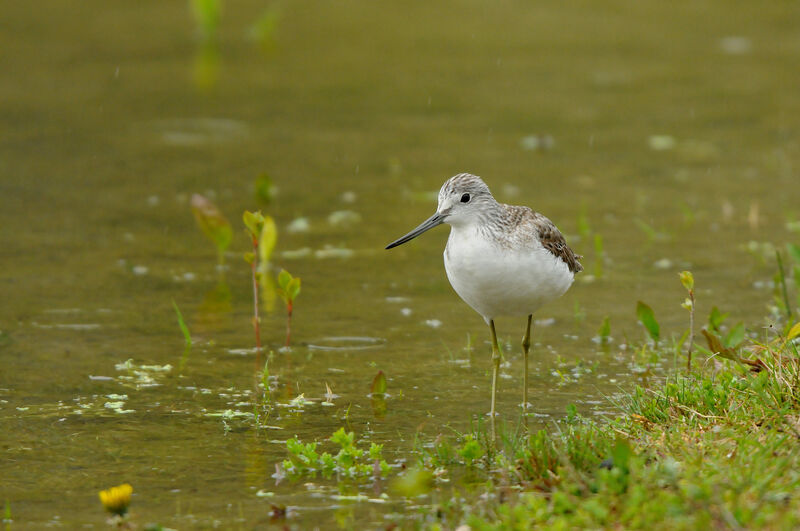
[(428, 224)]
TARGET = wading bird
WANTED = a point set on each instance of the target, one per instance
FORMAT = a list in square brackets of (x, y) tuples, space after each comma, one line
[(502, 260)]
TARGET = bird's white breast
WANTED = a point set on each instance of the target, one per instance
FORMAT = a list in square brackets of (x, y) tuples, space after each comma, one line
[(501, 278)]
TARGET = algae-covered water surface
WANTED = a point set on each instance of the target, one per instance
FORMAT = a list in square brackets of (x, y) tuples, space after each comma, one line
[(658, 137)]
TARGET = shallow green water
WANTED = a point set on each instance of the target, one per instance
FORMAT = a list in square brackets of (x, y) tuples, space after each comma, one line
[(682, 118)]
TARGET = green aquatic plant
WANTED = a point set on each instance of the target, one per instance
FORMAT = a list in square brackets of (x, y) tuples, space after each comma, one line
[(254, 225), (212, 223), (379, 384), (349, 461), (648, 320), (187, 338), (264, 190), (182, 325), (378, 395), (687, 280), (288, 289)]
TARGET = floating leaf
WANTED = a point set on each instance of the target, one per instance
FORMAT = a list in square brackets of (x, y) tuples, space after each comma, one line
[(212, 222), (648, 319), (379, 384), (687, 279)]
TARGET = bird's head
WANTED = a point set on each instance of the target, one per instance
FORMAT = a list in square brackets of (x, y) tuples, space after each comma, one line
[(462, 199)]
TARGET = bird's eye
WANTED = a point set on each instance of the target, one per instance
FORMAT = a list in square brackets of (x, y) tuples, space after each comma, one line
[(465, 198)]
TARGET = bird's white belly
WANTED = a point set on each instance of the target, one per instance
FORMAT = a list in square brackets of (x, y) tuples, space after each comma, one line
[(502, 281)]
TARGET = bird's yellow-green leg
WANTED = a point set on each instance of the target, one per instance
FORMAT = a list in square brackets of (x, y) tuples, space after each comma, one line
[(495, 369), (526, 346)]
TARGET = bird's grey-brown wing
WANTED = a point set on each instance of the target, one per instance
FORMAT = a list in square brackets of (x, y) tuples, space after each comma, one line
[(546, 232)]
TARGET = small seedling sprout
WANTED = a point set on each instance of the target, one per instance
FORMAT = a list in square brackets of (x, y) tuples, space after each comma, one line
[(254, 223), (288, 289)]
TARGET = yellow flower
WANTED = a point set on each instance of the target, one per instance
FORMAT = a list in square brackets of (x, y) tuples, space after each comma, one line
[(117, 499)]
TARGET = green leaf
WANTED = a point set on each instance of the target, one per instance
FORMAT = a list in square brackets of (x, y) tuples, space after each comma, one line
[(293, 289), (648, 319), (284, 277), (254, 221), (470, 450), (379, 384), (687, 279), (268, 239), (793, 332), (735, 336), (249, 257), (264, 188), (265, 377), (715, 346), (212, 222), (375, 451), (716, 318), (343, 438), (182, 325), (572, 412)]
